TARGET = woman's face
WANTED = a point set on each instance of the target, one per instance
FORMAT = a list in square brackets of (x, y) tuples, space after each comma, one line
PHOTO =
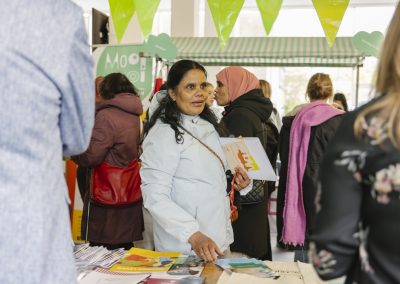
[(190, 95), (339, 103), (210, 94), (221, 94)]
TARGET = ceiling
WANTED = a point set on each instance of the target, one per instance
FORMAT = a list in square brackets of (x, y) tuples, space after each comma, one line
[(102, 5)]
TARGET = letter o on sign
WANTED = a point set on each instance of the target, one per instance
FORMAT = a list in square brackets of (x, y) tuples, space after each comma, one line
[(133, 59)]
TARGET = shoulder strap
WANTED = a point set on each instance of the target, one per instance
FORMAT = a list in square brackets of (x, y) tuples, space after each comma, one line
[(205, 145)]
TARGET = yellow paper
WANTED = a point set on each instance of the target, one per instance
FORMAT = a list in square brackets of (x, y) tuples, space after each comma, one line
[(76, 226), (330, 13), (142, 260), (151, 253)]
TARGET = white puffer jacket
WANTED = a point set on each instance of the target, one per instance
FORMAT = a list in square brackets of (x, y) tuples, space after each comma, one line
[(184, 186)]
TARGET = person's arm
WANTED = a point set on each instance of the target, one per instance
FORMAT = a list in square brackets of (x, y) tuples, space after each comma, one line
[(77, 100), (100, 143), (334, 247)]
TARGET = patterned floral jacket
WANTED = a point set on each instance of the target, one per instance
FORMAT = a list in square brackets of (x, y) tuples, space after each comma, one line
[(357, 230)]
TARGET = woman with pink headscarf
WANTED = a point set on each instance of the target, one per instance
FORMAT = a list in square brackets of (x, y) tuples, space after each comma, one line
[(246, 109)]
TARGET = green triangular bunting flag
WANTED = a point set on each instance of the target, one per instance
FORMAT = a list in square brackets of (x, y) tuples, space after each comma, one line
[(330, 13), (269, 10), (224, 13), (145, 12), (121, 12)]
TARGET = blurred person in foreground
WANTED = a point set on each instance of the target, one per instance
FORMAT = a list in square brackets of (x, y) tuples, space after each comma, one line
[(184, 183), (357, 229), (47, 97), (115, 141), (82, 173)]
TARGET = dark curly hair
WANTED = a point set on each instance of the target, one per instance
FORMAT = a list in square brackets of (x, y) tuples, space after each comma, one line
[(168, 111), (116, 83)]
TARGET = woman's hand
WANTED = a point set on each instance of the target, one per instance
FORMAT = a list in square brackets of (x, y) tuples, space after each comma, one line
[(204, 247), (241, 178)]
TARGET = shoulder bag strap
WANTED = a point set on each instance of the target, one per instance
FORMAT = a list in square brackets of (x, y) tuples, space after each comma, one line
[(205, 145)]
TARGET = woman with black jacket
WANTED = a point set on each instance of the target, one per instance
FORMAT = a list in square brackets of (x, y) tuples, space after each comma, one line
[(245, 112), (304, 137)]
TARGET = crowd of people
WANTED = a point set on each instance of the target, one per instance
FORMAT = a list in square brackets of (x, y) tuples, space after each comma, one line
[(339, 179)]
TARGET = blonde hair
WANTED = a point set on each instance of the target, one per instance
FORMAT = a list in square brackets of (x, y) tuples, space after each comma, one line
[(319, 87), (266, 88), (387, 85)]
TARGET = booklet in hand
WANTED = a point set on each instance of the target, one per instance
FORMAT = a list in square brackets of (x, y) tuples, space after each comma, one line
[(248, 153)]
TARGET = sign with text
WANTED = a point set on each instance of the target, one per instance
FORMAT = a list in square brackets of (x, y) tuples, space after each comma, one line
[(125, 59)]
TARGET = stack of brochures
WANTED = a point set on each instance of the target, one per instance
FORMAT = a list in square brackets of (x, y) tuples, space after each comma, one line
[(156, 267), (96, 256)]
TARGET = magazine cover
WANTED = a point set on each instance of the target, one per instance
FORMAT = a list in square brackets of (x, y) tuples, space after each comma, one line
[(191, 266), (141, 260)]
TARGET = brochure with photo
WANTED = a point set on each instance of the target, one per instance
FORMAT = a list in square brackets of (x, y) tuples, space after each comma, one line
[(249, 266)]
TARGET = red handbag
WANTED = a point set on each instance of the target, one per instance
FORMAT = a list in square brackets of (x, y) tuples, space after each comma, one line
[(116, 186)]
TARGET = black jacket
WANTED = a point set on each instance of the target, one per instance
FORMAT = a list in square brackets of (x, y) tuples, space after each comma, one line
[(358, 226), (243, 117), (319, 139)]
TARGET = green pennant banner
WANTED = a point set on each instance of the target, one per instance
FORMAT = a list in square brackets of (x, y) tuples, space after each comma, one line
[(121, 12), (269, 10), (145, 12), (330, 13), (224, 13)]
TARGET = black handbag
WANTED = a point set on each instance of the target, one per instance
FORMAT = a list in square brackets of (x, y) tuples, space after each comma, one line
[(256, 195)]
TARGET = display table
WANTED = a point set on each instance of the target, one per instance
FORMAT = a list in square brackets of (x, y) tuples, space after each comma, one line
[(291, 272), (211, 273)]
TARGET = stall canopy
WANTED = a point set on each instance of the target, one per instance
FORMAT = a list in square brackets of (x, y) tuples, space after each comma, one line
[(270, 51)]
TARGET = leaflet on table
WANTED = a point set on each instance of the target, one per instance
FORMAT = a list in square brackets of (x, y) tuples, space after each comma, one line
[(191, 266), (184, 280), (141, 260), (95, 256), (96, 277), (250, 266), (248, 153)]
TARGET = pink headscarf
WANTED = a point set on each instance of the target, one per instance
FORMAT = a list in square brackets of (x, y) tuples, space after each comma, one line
[(238, 81)]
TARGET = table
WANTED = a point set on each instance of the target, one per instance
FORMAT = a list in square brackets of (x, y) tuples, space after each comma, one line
[(211, 273)]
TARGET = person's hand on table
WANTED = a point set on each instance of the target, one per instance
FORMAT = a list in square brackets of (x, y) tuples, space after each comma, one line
[(204, 247), (241, 178)]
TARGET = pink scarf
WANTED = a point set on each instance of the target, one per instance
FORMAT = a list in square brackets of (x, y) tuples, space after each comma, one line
[(294, 217), (238, 81)]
